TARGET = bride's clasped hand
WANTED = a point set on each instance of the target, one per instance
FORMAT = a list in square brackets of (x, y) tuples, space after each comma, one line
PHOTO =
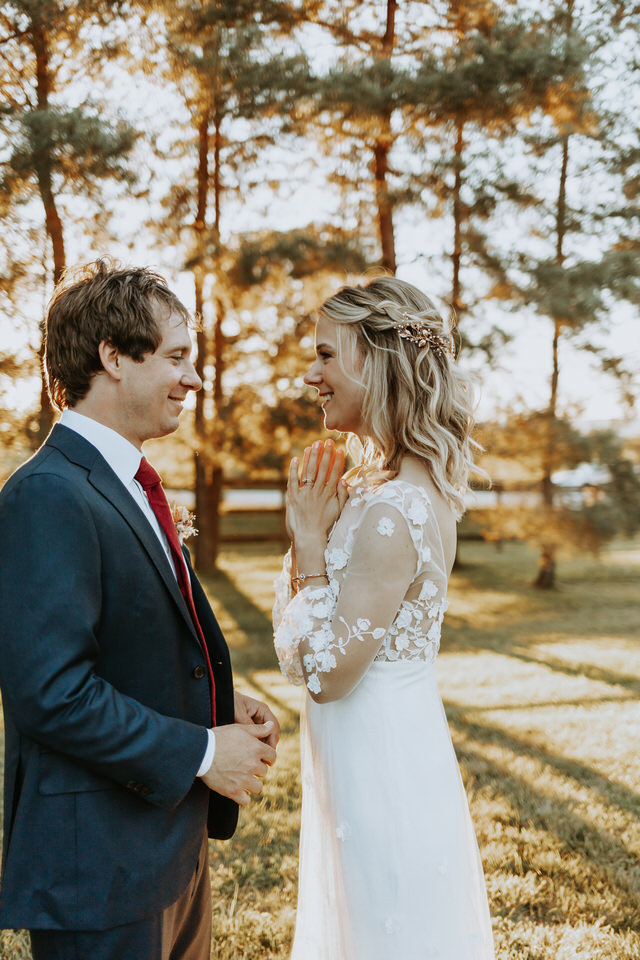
[(316, 494)]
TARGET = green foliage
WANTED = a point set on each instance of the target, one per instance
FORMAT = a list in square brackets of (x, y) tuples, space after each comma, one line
[(78, 145), (56, 147), (264, 434), (622, 493), (276, 281), (527, 436), (364, 91), (493, 74), (302, 253)]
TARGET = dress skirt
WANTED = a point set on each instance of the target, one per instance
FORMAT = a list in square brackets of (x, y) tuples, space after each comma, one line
[(390, 868)]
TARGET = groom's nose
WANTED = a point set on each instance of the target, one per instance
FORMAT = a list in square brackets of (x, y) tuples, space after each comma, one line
[(190, 378)]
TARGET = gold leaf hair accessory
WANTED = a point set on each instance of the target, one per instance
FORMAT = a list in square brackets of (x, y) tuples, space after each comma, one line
[(423, 336)]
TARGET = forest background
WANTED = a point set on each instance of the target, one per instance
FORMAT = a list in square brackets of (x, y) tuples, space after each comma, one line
[(260, 154)]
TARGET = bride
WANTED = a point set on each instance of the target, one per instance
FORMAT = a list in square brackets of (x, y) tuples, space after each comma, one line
[(389, 865)]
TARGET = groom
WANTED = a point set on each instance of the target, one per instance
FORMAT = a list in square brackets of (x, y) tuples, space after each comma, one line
[(113, 669)]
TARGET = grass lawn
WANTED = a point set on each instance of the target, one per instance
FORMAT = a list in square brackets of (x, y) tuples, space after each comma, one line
[(541, 690)]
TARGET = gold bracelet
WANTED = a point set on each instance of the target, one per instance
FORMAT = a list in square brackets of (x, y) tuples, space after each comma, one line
[(307, 576)]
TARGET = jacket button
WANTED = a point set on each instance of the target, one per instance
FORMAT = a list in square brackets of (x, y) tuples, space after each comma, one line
[(199, 672), (140, 788)]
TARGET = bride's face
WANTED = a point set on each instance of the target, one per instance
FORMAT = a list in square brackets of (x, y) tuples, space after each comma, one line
[(335, 374)]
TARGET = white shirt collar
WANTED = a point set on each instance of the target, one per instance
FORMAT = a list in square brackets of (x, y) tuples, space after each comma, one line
[(121, 455)]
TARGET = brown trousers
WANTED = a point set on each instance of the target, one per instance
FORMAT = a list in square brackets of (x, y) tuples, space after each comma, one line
[(181, 932)]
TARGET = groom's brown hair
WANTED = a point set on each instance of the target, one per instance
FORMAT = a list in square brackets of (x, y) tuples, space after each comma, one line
[(101, 301)]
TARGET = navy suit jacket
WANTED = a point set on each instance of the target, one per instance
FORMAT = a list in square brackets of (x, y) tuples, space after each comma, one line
[(105, 709)]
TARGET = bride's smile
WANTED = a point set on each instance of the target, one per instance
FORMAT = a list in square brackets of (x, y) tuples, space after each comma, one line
[(335, 373)]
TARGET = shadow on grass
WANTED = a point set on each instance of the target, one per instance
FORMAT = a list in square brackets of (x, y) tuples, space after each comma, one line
[(513, 568), (473, 639), (258, 654), (288, 717), (592, 672), (539, 704), (609, 790), (596, 847)]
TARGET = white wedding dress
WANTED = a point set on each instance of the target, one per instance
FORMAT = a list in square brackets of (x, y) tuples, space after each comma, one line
[(389, 864)]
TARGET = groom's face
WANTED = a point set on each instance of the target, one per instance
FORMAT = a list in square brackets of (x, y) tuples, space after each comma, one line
[(153, 390)]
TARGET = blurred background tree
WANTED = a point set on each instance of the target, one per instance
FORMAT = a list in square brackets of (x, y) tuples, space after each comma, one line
[(579, 251), (56, 147), (595, 478)]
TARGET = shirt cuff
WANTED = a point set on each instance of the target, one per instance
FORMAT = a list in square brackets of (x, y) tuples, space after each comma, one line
[(209, 754)]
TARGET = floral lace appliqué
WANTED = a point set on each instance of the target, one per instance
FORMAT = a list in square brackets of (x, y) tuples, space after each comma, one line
[(310, 616), (385, 527), (326, 646)]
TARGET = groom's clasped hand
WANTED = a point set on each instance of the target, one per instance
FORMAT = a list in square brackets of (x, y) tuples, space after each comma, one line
[(244, 751)]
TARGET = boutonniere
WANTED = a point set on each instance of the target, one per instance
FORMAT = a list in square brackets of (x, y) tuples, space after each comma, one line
[(184, 521)]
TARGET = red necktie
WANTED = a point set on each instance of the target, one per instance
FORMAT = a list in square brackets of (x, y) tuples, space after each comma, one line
[(152, 486)]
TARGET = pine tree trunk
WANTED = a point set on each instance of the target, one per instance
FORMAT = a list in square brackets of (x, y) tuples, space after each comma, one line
[(53, 224), (217, 481), (209, 485), (215, 501), (381, 151), (385, 209), (202, 546), (205, 548), (546, 578), (209, 473), (456, 300)]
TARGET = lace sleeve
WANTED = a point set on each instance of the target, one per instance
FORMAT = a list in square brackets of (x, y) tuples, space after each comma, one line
[(328, 636), (282, 590)]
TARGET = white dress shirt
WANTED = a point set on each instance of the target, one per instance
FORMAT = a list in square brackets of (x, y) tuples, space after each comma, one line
[(124, 459)]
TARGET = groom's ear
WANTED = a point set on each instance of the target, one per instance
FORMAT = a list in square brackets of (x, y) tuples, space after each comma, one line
[(111, 359)]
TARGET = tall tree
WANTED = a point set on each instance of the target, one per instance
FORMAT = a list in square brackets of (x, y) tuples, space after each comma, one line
[(582, 254), (485, 71), (57, 147), (358, 100), (279, 278), (236, 92), (425, 92)]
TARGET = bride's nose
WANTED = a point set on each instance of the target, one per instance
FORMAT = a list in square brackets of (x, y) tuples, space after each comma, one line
[(313, 376)]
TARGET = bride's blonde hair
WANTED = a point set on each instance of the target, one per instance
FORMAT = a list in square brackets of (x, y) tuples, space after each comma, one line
[(416, 399)]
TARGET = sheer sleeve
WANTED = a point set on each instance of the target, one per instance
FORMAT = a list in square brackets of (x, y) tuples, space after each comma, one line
[(328, 635), (282, 590)]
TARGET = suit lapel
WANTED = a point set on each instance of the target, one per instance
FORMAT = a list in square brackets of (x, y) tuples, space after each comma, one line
[(104, 480)]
